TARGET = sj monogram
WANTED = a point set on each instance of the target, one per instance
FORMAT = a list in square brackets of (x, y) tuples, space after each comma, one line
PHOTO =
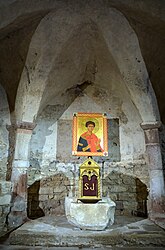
[(87, 186)]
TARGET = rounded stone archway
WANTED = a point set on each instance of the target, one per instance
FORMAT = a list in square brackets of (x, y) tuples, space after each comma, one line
[(80, 58)]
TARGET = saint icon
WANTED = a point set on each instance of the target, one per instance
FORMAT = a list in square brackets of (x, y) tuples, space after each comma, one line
[(89, 134), (88, 141)]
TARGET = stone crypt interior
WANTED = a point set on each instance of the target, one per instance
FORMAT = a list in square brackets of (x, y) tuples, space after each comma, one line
[(63, 57)]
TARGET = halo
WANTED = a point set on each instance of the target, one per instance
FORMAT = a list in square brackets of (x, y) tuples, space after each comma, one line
[(83, 120)]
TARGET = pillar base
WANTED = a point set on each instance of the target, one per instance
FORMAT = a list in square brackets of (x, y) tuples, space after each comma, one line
[(89, 216), (156, 208)]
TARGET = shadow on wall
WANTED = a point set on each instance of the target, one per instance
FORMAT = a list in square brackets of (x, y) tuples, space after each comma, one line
[(46, 197), (162, 145), (17, 214), (128, 192), (141, 198), (33, 209), (11, 151)]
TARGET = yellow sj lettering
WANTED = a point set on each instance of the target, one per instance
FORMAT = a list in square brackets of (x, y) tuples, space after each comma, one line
[(93, 187), (86, 186)]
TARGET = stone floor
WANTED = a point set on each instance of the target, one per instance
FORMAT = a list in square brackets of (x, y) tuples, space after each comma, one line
[(56, 233)]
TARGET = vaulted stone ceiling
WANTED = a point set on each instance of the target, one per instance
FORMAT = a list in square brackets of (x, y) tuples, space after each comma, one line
[(20, 20)]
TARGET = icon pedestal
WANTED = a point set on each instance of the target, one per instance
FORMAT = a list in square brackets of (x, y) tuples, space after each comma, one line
[(90, 211), (89, 182)]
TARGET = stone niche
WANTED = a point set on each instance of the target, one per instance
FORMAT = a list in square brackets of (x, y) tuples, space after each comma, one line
[(120, 182), (46, 196)]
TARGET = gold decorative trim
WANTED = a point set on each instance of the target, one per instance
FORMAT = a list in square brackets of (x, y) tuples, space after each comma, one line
[(89, 168), (103, 131)]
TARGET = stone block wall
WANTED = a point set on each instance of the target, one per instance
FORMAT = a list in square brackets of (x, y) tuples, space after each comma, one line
[(5, 198), (125, 183), (47, 194), (52, 193), (129, 190)]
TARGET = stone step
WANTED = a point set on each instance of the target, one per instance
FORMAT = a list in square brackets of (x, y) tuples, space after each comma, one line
[(56, 231)]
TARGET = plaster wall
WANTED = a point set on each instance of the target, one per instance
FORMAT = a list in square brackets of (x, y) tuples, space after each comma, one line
[(132, 145), (43, 142), (52, 140)]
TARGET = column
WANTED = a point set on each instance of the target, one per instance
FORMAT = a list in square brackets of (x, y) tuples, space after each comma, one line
[(18, 211), (156, 207)]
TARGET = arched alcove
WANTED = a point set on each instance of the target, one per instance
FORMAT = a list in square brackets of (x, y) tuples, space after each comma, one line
[(83, 71), (61, 60), (83, 61)]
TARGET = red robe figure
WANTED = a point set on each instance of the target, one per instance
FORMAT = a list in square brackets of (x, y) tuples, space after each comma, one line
[(88, 141)]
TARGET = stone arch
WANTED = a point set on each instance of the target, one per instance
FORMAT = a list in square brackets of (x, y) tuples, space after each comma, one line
[(129, 61), (38, 63), (42, 8), (42, 81), (36, 84), (42, 56)]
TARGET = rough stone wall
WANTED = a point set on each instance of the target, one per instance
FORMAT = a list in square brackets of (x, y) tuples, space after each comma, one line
[(5, 186), (5, 198), (162, 143), (4, 142), (46, 196), (47, 191), (125, 183)]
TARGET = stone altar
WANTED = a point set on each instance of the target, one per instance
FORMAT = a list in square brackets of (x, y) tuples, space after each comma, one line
[(90, 216)]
